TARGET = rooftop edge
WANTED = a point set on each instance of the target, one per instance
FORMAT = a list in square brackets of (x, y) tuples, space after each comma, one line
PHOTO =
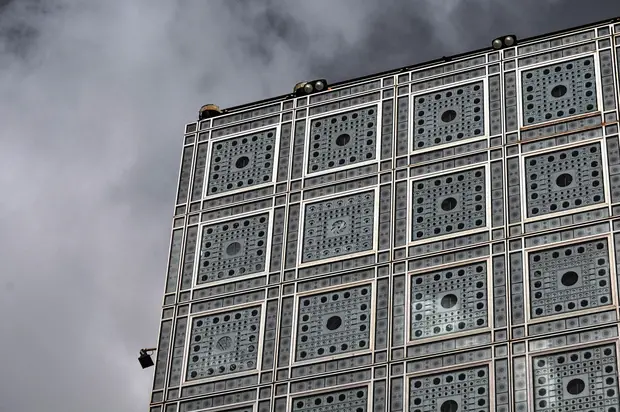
[(442, 59)]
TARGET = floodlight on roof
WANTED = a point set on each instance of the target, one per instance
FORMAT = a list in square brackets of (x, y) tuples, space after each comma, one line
[(305, 88), (209, 110), (508, 40)]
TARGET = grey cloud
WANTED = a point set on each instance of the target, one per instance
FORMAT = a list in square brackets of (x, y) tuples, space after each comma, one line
[(93, 98), (400, 33), (16, 31)]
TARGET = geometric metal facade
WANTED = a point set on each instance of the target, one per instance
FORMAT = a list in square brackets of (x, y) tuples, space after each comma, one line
[(344, 139), (334, 323), (449, 301), (559, 90), (564, 179), (448, 115), (464, 389), (581, 379), (233, 248), (450, 203), (443, 237), (224, 343), (338, 226), (569, 278), (231, 168)]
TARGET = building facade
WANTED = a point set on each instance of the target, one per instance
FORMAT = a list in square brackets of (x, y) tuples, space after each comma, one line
[(442, 237)]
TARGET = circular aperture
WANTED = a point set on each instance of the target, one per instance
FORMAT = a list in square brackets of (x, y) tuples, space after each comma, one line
[(559, 91), (448, 204), (224, 343), (449, 406), (338, 227), (448, 116), (576, 386), (343, 139), (334, 322), (233, 249), (449, 301), (569, 278), (242, 162), (564, 180)]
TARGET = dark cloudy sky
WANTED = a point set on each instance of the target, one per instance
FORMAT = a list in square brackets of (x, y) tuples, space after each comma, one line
[(93, 99)]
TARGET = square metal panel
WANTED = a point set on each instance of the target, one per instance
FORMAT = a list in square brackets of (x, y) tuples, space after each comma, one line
[(343, 139), (234, 248), (559, 90), (449, 203), (465, 390), (564, 180), (224, 343), (447, 301), (449, 115), (352, 399), (578, 380), (339, 226), (334, 322), (569, 278), (242, 162)]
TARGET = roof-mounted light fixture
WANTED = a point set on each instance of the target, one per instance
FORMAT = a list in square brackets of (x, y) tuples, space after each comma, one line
[(508, 40), (209, 110), (305, 88)]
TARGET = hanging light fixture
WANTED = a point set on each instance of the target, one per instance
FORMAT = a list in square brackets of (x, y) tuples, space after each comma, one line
[(145, 357)]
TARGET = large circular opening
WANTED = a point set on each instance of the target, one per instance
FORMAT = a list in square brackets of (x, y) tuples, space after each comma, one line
[(448, 116), (449, 301), (569, 278), (564, 180), (448, 204), (242, 162), (334, 322), (233, 249), (449, 406), (338, 227), (343, 139), (559, 91), (224, 343), (576, 386)]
